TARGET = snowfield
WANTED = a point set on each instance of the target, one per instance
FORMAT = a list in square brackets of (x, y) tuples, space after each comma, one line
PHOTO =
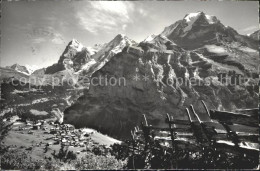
[(37, 112), (216, 49)]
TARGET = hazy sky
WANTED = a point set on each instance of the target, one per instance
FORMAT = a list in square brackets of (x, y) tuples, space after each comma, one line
[(36, 33)]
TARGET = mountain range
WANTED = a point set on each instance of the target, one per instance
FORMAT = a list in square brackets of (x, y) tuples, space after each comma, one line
[(198, 46)]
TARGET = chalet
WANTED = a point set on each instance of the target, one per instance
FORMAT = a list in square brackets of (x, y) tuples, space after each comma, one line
[(81, 139), (43, 122), (68, 127), (36, 127), (53, 131), (64, 140), (55, 138), (56, 142), (66, 144), (66, 136), (135, 50), (81, 144)]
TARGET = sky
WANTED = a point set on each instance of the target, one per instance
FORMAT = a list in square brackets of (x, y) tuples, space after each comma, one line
[(37, 32)]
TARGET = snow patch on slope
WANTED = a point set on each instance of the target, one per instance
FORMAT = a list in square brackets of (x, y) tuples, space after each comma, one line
[(210, 19), (91, 50), (115, 46), (215, 49), (150, 38), (248, 50), (87, 66)]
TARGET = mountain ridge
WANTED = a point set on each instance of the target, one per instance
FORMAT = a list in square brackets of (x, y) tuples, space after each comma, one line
[(197, 29), (167, 56), (116, 109)]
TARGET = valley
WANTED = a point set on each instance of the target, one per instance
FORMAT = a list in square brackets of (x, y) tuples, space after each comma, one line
[(55, 113)]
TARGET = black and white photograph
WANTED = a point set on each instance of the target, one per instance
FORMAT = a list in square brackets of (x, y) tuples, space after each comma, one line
[(120, 85)]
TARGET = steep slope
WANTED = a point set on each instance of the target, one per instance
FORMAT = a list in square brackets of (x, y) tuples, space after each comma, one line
[(158, 43), (198, 29), (104, 54)]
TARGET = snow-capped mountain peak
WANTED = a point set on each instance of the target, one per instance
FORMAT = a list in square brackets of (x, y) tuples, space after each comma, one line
[(149, 38), (191, 18), (199, 29), (121, 35), (117, 44), (105, 52), (27, 69), (254, 35)]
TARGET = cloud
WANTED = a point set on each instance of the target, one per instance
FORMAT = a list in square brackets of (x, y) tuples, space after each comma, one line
[(38, 40), (38, 37), (142, 12), (44, 34), (105, 16)]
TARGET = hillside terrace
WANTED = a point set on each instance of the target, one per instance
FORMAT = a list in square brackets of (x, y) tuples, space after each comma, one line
[(46, 138)]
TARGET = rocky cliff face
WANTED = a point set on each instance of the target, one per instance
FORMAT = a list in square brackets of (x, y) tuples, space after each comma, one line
[(74, 56), (78, 62), (150, 85), (104, 54), (163, 74)]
